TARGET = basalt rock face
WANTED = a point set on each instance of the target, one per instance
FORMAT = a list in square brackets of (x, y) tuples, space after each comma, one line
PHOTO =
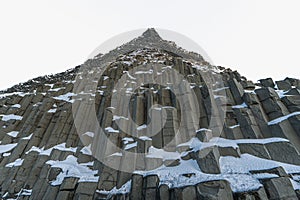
[(150, 120)]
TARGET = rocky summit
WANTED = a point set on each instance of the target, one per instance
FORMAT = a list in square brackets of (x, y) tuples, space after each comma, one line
[(150, 120)]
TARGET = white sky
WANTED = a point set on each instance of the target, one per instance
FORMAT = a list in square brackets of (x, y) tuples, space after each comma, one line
[(259, 38)]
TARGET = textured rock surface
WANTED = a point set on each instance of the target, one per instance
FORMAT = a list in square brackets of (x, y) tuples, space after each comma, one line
[(279, 188), (214, 190), (208, 160), (239, 140)]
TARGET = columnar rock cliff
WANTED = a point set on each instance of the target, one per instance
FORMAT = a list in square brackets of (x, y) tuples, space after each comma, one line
[(150, 120)]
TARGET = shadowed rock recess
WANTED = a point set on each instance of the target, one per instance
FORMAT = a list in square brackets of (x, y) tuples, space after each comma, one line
[(180, 128)]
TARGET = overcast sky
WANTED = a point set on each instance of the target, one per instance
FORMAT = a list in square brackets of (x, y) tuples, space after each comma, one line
[(259, 38)]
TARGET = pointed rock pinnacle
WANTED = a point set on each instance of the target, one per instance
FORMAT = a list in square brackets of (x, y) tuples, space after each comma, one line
[(151, 33)]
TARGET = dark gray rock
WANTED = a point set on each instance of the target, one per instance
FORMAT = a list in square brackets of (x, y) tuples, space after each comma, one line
[(248, 85), (294, 91), (292, 103), (208, 160), (153, 163), (176, 193), (189, 192), (266, 93), (151, 181), (120, 197), (86, 188), (295, 122), (53, 173), (108, 178), (258, 150), (261, 119), (204, 135), (64, 195), (298, 193), (215, 97), (283, 85), (150, 187), (143, 145), (283, 129), (283, 152), (248, 124), (291, 100), (171, 162), (229, 151), (136, 187), (213, 190), (277, 170), (150, 193), (189, 155), (270, 106), (293, 81), (51, 192), (164, 192), (237, 91), (268, 82), (259, 194), (69, 184), (250, 99), (279, 188)]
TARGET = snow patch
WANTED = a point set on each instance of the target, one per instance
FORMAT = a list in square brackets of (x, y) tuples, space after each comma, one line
[(71, 168), (116, 117), (61, 147), (22, 94), (13, 133), (16, 106), (234, 126), (220, 89), (282, 93), (111, 130), (127, 140), (90, 134), (7, 147), (11, 117), (261, 141), (243, 105), (24, 192), (144, 72), (144, 126), (280, 119), (16, 163), (145, 138), (196, 144), (235, 170), (86, 150), (28, 137), (160, 153), (66, 97), (52, 110), (56, 89), (6, 154), (130, 146), (131, 77), (125, 189)]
